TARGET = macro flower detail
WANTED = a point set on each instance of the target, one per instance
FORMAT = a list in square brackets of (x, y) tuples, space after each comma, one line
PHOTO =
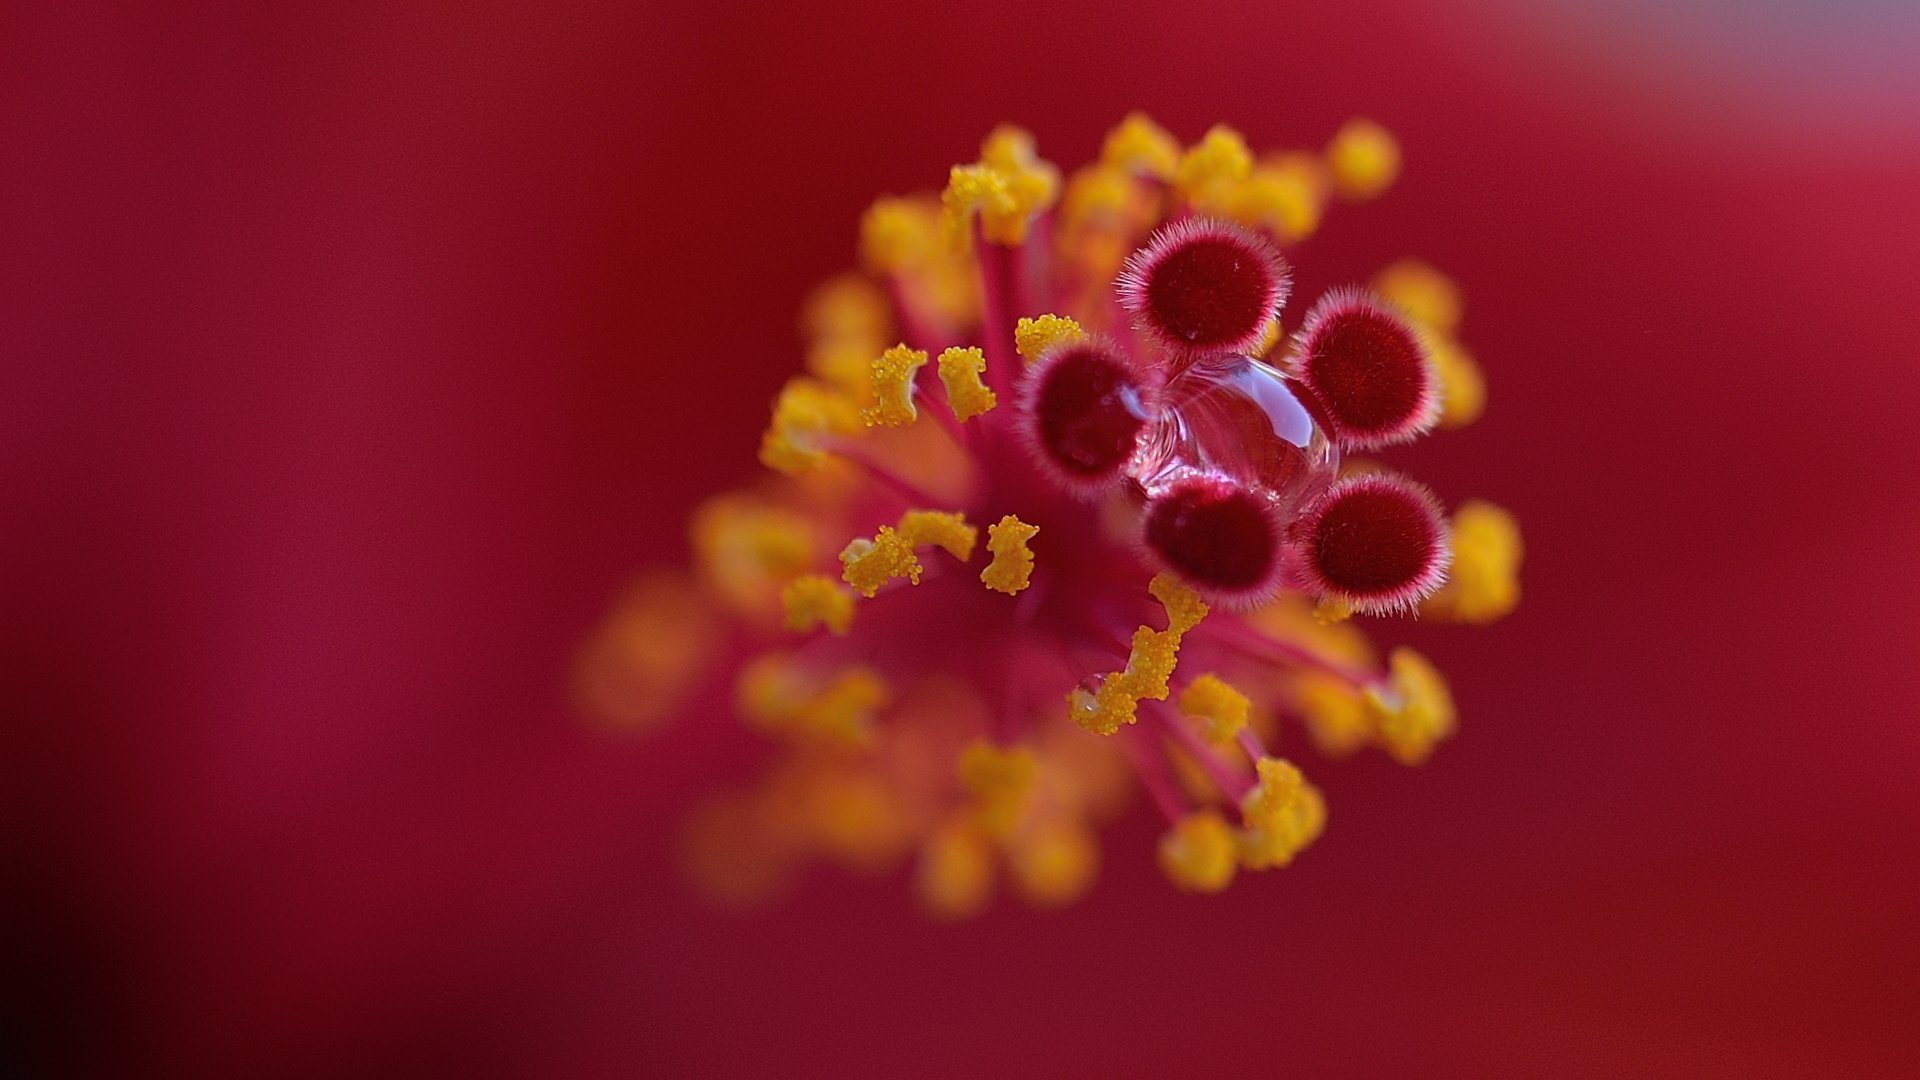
[(1061, 511)]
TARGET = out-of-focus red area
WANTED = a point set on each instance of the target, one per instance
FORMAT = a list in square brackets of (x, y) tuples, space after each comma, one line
[(354, 360)]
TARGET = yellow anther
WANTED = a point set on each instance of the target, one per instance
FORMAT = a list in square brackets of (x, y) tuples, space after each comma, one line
[(807, 414), (955, 877), (960, 370), (1364, 158), (1184, 608), (1222, 708), (816, 600), (1012, 567), (1426, 295), (1152, 657), (1031, 337), (1213, 169), (1140, 146), (1415, 710), (1285, 198), (847, 306), (1280, 783), (1054, 861), (1007, 188), (1484, 584), (746, 549), (941, 529), (1273, 841), (774, 693), (1001, 780), (1336, 714), (899, 234), (1269, 337), (1198, 854), (892, 381), (1463, 389), (868, 564), (1331, 610), (855, 816)]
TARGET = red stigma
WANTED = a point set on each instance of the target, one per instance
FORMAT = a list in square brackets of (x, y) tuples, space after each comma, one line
[(1368, 369), (1204, 286), (1084, 408), (1377, 541), (1220, 537)]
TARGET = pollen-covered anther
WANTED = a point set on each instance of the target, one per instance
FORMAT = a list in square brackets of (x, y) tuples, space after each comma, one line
[(1203, 286), (1007, 188), (947, 530), (1282, 814), (776, 693), (1083, 407), (1001, 779), (1198, 854), (1364, 159), (1151, 659), (892, 381), (960, 370), (1012, 567), (1368, 368), (1032, 337), (1414, 711), (1484, 583), (817, 600), (806, 416), (1141, 147), (1220, 536), (868, 564), (1221, 709), (1376, 541)]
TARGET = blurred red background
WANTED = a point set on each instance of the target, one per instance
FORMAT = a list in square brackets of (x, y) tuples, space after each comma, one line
[(355, 358)]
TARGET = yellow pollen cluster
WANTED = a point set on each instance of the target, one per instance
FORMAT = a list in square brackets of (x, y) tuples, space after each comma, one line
[(815, 600), (806, 415), (892, 382), (1415, 711), (1000, 780), (894, 237), (1141, 147), (941, 529), (1364, 158), (1151, 659), (1012, 567), (1213, 168), (1282, 814), (868, 564), (960, 370), (1222, 708), (1007, 188), (1285, 195), (1031, 337), (775, 693), (1336, 714), (1484, 583), (1198, 854), (746, 549)]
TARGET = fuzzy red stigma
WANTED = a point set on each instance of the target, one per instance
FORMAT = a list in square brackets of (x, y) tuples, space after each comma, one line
[(1220, 537), (1377, 541), (1083, 407), (1368, 369), (1204, 286)]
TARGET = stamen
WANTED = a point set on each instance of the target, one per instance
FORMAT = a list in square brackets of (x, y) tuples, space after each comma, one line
[(892, 378), (960, 373), (1012, 567)]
